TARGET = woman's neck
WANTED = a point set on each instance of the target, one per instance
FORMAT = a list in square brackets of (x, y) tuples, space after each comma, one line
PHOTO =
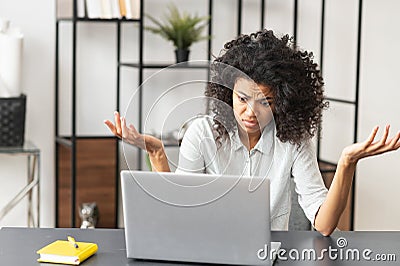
[(249, 140)]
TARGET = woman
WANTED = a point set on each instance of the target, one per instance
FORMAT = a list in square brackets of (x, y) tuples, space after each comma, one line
[(267, 100)]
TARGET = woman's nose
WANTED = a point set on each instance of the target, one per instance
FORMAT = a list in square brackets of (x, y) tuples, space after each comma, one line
[(250, 109)]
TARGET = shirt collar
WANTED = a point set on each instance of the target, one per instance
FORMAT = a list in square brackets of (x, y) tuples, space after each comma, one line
[(235, 140), (264, 144)]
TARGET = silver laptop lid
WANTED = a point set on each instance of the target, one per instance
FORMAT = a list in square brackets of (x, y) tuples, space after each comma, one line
[(195, 217)]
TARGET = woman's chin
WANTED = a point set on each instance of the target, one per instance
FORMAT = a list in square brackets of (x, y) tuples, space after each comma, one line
[(251, 129)]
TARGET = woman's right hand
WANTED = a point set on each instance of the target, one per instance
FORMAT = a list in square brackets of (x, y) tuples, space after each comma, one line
[(130, 135)]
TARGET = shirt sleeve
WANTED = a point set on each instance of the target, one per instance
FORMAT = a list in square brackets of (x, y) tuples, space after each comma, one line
[(310, 187), (191, 158)]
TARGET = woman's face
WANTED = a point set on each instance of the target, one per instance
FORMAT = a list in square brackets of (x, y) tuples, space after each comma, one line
[(251, 106)]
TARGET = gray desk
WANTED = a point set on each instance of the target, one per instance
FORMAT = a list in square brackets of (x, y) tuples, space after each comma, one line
[(18, 246)]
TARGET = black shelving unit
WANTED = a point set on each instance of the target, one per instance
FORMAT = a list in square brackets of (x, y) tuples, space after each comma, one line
[(141, 65), (70, 141)]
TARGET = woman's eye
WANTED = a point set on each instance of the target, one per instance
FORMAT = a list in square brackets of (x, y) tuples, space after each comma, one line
[(242, 99), (265, 103)]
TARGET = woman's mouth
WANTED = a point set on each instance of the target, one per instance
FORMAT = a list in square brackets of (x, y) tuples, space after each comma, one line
[(250, 123)]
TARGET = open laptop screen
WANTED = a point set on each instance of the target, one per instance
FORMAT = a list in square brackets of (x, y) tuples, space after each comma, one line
[(195, 217)]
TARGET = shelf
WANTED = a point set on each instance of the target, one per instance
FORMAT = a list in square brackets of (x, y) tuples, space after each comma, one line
[(326, 167), (87, 137), (97, 20), (340, 100), (95, 181), (27, 148), (185, 65), (66, 140), (170, 144)]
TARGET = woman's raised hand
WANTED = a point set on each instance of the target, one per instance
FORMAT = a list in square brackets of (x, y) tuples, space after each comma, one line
[(370, 147), (132, 136)]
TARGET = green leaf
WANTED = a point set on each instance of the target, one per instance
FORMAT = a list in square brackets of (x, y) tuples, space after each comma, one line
[(182, 29)]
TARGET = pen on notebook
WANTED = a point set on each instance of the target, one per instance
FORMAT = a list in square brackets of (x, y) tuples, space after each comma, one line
[(72, 241)]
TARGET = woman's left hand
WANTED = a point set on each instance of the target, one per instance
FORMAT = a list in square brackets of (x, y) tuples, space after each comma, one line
[(353, 153)]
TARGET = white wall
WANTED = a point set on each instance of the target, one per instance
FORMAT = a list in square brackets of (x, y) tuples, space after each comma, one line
[(36, 20), (377, 179)]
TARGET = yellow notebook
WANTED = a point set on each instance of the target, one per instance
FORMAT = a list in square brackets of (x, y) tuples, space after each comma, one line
[(64, 252)]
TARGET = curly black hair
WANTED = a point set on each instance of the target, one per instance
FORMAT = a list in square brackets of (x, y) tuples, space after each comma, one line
[(292, 75)]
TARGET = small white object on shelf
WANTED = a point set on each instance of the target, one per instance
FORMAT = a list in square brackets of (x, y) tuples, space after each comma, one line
[(11, 45)]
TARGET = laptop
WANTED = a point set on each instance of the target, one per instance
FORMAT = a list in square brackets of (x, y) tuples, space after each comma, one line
[(197, 218)]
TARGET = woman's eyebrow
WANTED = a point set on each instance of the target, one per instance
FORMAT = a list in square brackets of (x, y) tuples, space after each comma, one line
[(242, 93), (264, 98), (259, 99)]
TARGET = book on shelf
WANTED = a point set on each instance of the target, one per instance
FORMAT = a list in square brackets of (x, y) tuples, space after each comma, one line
[(132, 9), (81, 8), (135, 9), (115, 9), (65, 9), (128, 8), (93, 8), (65, 252), (122, 8), (99, 9), (106, 9)]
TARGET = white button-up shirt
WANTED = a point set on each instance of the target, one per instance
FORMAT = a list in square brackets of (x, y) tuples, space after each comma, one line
[(270, 157)]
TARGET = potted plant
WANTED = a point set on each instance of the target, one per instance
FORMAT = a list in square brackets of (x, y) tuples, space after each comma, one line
[(181, 29)]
